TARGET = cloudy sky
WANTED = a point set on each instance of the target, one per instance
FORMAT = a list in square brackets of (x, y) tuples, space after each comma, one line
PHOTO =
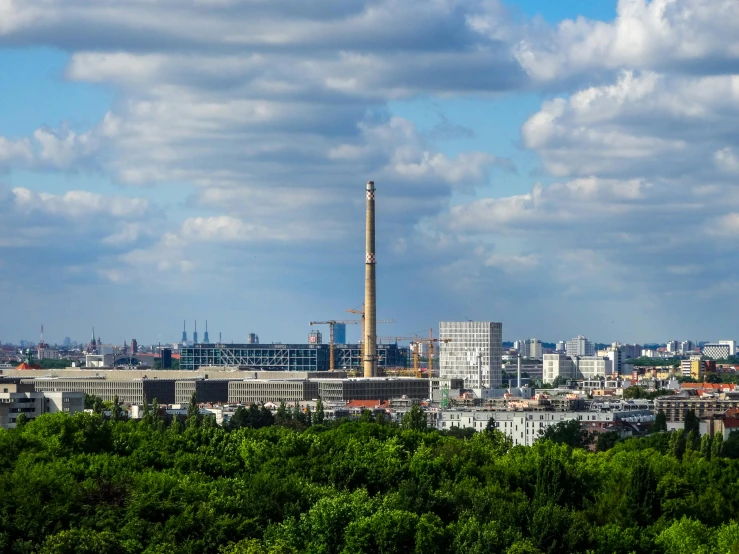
[(563, 167)]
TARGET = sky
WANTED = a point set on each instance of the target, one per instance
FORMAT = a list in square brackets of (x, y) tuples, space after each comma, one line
[(565, 168)]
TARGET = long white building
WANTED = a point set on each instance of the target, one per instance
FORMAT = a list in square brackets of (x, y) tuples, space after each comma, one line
[(577, 367), (472, 351)]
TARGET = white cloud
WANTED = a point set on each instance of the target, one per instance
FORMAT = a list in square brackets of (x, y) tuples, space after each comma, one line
[(695, 36), (726, 160), (79, 204)]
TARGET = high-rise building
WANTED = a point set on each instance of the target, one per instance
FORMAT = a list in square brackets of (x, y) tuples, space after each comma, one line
[(471, 344), (561, 346), (687, 346), (672, 346), (134, 347), (617, 355), (315, 337), (535, 350), (340, 333), (252, 338), (579, 346)]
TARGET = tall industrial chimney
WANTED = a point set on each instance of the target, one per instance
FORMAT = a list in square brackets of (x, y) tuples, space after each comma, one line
[(370, 289)]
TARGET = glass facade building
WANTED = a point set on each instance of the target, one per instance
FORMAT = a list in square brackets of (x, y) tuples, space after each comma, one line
[(286, 357)]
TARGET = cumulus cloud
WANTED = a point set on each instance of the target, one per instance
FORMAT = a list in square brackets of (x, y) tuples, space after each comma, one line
[(692, 36), (79, 204)]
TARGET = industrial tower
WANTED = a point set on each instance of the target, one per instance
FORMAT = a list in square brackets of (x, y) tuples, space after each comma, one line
[(206, 338), (184, 331), (370, 288)]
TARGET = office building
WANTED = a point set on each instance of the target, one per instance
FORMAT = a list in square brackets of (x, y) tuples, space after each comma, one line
[(557, 365), (579, 346), (127, 391), (731, 344), (473, 352), (21, 398), (592, 367), (340, 333), (287, 357), (717, 350), (252, 338)]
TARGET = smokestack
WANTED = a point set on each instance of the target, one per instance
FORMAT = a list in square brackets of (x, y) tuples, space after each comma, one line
[(370, 289)]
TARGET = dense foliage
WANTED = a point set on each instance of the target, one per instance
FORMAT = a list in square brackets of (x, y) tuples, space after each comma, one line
[(287, 484)]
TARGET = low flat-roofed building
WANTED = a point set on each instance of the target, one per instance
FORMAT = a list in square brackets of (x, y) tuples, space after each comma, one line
[(259, 391), (206, 390), (35, 404), (128, 392), (371, 388)]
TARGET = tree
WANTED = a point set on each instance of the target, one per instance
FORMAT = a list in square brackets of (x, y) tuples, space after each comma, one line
[(193, 412), (320, 415), (606, 440), (692, 423), (678, 443), (415, 419), (706, 444), (490, 425), (660, 422), (21, 420), (366, 417), (568, 432), (641, 504), (116, 412), (717, 447)]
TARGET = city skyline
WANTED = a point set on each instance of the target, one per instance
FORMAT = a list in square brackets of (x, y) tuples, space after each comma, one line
[(542, 164)]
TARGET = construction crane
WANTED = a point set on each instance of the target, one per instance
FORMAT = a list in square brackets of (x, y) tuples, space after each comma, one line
[(331, 325), (361, 312), (430, 341)]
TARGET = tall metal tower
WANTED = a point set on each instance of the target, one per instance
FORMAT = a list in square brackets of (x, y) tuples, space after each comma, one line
[(206, 338), (184, 331), (195, 333)]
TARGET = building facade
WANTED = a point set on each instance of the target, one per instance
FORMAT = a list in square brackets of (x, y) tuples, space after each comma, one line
[(35, 404), (716, 350), (287, 357), (471, 344), (579, 346)]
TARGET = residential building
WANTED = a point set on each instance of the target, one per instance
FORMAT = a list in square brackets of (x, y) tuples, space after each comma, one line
[(617, 355), (525, 427), (48, 354), (687, 346), (579, 346), (561, 346), (672, 346), (471, 350), (693, 367), (717, 350)]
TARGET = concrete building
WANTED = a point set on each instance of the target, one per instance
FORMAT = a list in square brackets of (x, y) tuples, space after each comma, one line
[(557, 365), (100, 360), (18, 399), (687, 346), (128, 392), (561, 346), (525, 427), (579, 346), (717, 350), (48, 354), (672, 346), (731, 344), (458, 358), (592, 367), (617, 355)]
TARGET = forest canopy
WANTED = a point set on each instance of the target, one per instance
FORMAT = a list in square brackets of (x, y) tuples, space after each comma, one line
[(265, 485)]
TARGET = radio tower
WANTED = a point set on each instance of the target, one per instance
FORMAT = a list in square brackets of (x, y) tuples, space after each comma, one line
[(195, 333), (206, 338), (184, 331)]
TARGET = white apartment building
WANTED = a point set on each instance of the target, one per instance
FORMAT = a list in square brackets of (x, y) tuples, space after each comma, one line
[(671, 346), (561, 346), (687, 346), (579, 346), (535, 349), (524, 428), (617, 356), (473, 352), (716, 350)]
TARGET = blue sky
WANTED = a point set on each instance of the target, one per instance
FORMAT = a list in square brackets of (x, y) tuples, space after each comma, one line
[(563, 167)]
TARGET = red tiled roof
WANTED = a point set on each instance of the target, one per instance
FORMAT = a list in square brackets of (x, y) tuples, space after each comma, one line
[(369, 404), (25, 365)]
